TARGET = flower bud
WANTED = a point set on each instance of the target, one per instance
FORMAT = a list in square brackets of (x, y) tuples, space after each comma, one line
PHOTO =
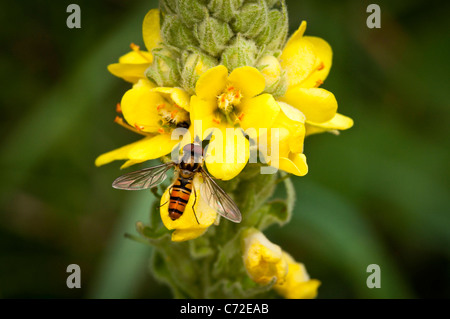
[(192, 11), (241, 52), (168, 6), (194, 65), (298, 285), (252, 19), (164, 69), (271, 3), (176, 34), (276, 79), (263, 259), (225, 10), (213, 35), (274, 36)]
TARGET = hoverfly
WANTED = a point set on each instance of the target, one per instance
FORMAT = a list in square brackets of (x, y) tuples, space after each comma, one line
[(185, 170)]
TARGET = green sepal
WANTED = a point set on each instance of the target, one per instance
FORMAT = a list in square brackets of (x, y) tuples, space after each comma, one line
[(224, 10), (192, 65), (274, 36), (240, 52), (175, 33), (164, 69), (168, 6), (252, 19), (192, 11), (213, 35), (278, 88)]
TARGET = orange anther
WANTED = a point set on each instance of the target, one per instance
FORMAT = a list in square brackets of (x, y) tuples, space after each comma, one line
[(138, 127), (161, 130), (134, 47), (321, 66), (172, 115), (216, 121), (118, 119), (240, 117), (118, 108), (319, 82), (230, 89), (160, 106)]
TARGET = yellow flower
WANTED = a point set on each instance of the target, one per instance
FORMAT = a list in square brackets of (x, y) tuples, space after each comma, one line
[(196, 218), (224, 101), (132, 66), (263, 259), (307, 62), (265, 262), (297, 284), (153, 112), (290, 123)]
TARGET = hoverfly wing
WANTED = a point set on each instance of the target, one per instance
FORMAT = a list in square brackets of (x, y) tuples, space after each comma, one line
[(144, 178), (218, 199)]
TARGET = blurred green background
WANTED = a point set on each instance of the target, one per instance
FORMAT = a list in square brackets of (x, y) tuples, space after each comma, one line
[(377, 194)]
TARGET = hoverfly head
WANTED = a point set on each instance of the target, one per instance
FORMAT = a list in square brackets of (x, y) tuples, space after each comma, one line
[(193, 153)]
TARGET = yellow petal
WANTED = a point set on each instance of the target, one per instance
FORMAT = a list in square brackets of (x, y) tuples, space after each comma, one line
[(211, 83), (299, 58), (324, 54), (248, 80), (177, 95), (136, 57), (195, 219), (129, 72), (292, 120), (202, 116), (258, 112), (151, 29), (297, 35), (318, 105), (295, 164), (151, 148), (338, 122), (121, 153), (187, 234), (227, 153), (297, 285), (139, 106), (263, 260)]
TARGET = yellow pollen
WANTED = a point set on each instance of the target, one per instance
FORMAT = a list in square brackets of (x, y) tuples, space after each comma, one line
[(230, 98)]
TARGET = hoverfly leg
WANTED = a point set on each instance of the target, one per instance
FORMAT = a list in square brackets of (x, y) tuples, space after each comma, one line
[(193, 205), (170, 192)]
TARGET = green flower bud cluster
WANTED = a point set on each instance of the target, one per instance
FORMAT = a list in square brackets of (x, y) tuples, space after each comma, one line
[(200, 34)]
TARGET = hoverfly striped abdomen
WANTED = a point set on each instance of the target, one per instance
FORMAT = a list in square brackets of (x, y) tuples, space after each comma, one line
[(179, 197)]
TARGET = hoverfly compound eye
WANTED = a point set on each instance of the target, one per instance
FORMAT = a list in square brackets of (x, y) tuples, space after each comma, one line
[(193, 149), (197, 149)]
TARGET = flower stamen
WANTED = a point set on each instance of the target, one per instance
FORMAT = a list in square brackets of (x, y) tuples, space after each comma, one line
[(136, 48), (122, 123), (118, 108), (230, 98)]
